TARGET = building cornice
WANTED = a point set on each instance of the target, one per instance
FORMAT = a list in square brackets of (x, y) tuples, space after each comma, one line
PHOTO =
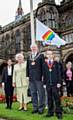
[(65, 6)]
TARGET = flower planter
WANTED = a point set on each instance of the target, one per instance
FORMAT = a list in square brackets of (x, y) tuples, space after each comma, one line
[(2, 98), (67, 104)]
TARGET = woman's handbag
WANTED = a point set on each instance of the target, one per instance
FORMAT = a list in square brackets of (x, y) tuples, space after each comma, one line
[(28, 92)]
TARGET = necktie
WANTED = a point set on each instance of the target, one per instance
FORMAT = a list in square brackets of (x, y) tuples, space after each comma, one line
[(50, 64)]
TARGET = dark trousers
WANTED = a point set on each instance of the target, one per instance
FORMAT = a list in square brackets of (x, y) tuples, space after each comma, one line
[(69, 86), (9, 92), (9, 100), (61, 90), (53, 97), (38, 95)]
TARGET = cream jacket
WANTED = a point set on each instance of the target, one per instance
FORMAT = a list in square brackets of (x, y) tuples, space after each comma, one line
[(19, 75)]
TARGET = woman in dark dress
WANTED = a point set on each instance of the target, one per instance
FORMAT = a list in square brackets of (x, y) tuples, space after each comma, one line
[(7, 83)]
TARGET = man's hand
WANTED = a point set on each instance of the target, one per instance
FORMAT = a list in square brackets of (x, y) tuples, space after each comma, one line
[(64, 83), (3, 84), (27, 78), (44, 86), (58, 85)]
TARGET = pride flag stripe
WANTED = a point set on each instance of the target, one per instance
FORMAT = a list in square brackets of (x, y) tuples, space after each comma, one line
[(49, 35), (46, 34)]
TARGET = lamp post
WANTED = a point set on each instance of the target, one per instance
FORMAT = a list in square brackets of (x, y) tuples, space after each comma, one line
[(32, 23)]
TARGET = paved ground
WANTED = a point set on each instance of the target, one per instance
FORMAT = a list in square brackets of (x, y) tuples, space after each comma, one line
[(2, 119)]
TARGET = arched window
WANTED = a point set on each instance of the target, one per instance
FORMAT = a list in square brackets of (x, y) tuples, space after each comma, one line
[(51, 18), (27, 37), (69, 20), (7, 38), (2, 42), (68, 37), (17, 40)]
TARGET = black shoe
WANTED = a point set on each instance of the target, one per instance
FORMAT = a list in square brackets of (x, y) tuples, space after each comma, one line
[(34, 111), (7, 107), (59, 116), (40, 112), (10, 107), (49, 115)]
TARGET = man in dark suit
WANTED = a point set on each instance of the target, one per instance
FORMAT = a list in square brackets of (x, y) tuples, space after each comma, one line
[(52, 79), (34, 72), (7, 83)]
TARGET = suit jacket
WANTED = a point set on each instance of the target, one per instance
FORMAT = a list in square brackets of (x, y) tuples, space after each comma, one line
[(61, 69), (5, 74), (34, 72), (53, 77), (19, 75)]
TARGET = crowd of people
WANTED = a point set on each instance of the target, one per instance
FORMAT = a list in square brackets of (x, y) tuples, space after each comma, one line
[(40, 72)]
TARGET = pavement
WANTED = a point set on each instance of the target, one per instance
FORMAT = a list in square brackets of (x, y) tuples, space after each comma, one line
[(2, 119)]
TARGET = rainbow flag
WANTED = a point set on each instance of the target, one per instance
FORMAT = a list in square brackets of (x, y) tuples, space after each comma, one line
[(49, 35)]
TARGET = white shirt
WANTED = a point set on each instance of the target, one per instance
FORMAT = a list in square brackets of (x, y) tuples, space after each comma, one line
[(9, 70)]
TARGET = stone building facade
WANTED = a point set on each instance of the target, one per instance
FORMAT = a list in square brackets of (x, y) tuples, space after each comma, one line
[(16, 36)]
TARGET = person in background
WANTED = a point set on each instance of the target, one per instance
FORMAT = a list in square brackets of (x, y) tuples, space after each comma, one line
[(34, 72), (7, 83), (20, 81), (69, 79), (52, 79), (62, 74)]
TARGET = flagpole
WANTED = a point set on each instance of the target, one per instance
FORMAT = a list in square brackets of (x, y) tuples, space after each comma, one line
[(59, 2), (32, 23)]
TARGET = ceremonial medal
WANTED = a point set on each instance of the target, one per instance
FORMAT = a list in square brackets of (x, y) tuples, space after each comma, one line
[(33, 59), (33, 63), (50, 70)]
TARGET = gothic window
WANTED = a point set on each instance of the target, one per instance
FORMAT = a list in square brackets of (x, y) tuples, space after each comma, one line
[(51, 18), (7, 39), (2, 42), (17, 40), (69, 20), (41, 14), (63, 37), (68, 38), (12, 35), (27, 37), (44, 21), (72, 37)]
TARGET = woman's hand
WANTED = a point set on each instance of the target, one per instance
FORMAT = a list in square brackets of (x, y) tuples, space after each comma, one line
[(14, 85), (3, 84)]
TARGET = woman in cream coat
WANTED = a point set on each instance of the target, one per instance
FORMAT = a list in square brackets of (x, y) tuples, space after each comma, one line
[(20, 81)]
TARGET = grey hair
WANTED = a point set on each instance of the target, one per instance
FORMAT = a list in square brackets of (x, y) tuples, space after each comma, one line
[(19, 54)]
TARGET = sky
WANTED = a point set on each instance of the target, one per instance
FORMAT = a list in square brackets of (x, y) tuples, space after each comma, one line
[(8, 9)]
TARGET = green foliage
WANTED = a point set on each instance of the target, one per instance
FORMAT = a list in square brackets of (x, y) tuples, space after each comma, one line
[(14, 114), (67, 103)]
